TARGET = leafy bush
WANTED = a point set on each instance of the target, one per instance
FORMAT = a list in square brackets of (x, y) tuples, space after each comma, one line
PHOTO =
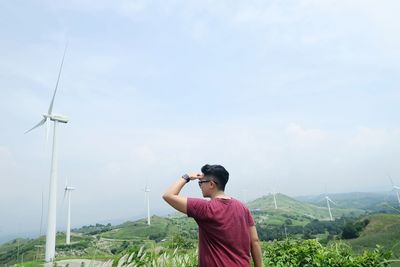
[(310, 253), (179, 242), (353, 229)]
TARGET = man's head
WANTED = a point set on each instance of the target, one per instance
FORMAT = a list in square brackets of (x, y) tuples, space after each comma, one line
[(216, 173)]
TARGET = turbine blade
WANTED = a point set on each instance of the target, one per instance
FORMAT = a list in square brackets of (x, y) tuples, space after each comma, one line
[(332, 201), (37, 125), (58, 79), (391, 180), (65, 195)]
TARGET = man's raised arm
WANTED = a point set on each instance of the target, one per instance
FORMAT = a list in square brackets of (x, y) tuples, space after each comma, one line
[(172, 197)]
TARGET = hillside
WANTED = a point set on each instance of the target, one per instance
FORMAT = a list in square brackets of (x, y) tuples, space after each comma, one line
[(160, 228), (370, 201), (383, 229), (296, 208)]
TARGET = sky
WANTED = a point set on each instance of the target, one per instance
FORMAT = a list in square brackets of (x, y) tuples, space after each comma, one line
[(300, 97)]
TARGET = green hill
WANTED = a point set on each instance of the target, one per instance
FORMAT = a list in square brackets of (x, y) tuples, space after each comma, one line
[(304, 212), (371, 201), (161, 228), (382, 229)]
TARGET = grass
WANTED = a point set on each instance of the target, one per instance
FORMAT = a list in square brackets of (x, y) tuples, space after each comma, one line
[(302, 211), (383, 229)]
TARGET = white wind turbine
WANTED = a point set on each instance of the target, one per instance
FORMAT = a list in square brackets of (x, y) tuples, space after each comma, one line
[(67, 193), (274, 195), (147, 195), (52, 209), (396, 189), (329, 206)]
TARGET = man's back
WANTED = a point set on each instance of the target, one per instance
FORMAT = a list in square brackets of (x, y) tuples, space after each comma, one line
[(224, 238)]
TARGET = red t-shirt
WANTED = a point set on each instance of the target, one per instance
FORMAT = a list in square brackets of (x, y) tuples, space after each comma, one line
[(224, 236)]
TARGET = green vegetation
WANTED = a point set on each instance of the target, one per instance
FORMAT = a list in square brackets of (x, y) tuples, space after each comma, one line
[(311, 253), (300, 210), (157, 256), (353, 229), (94, 229), (376, 202), (382, 229), (288, 253)]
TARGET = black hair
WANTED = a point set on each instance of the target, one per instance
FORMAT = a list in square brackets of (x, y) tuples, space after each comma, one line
[(218, 172)]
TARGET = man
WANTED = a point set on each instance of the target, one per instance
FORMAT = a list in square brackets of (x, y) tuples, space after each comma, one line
[(227, 232)]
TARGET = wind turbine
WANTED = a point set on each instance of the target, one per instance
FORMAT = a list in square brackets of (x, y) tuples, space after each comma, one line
[(274, 195), (329, 206), (52, 207), (147, 192), (396, 189), (67, 193)]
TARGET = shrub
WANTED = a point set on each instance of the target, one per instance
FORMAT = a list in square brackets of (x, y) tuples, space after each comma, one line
[(296, 253)]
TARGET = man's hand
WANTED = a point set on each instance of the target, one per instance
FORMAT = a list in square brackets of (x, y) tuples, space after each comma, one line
[(196, 175)]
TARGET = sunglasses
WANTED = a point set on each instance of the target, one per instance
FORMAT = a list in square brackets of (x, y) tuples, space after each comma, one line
[(205, 181)]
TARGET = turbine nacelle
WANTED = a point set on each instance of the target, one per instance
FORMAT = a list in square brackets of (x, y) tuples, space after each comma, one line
[(58, 118), (147, 189)]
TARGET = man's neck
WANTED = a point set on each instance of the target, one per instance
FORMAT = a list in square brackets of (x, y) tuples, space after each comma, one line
[(219, 194)]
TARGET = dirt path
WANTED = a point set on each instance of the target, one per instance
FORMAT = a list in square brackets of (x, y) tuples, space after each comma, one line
[(78, 263)]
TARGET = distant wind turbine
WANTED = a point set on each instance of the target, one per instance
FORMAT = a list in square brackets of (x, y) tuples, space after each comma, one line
[(396, 189), (329, 206), (67, 193), (52, 212), (147, 192), (274, 195)]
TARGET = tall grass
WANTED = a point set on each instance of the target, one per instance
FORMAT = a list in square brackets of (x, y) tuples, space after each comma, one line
[(288, 253), (158, 258)]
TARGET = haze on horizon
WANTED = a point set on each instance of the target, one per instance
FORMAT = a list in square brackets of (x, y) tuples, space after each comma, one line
[(293, 96)]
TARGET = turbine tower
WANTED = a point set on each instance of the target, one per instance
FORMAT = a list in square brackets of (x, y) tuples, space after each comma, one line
[(67, 193), (146, 192), (396, 189), (274, 195), (329, 206), (52, 206)]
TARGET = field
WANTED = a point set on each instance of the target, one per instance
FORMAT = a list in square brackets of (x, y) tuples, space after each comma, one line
[(383, 229)]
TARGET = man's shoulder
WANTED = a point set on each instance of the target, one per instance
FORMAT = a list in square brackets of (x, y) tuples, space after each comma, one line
[(192, 201), (197, 207), (239, 203), (195, 199)]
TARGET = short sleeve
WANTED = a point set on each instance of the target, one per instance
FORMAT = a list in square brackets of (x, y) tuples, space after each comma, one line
[(197, 208), (249, 218)]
